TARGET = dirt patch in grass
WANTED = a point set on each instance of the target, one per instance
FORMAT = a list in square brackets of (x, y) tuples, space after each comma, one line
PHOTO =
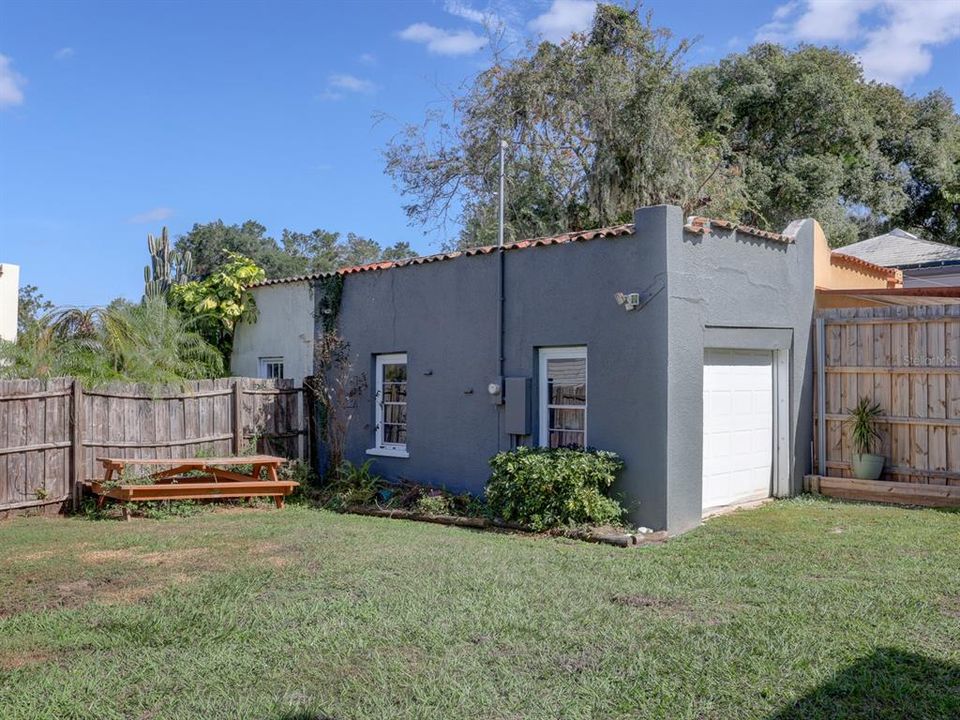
[(276, 561), (173, 557), (579, 662), (95, 557), (161, 557), (652, 602), (950, 606), (127, 595), (666, 607), (21, 659), (31, 557)]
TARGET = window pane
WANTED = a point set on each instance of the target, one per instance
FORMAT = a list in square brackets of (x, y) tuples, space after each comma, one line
[(560, 438), (394, 392), (394, 373), (568, 394), (567, 381), (567, 371), (394, 434), (396, 414), (566, 419)]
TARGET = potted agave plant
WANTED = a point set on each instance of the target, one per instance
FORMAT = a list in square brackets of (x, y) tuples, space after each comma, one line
[(865, 434)]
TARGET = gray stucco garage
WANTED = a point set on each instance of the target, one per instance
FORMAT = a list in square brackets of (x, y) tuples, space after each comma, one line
[(666, 340)]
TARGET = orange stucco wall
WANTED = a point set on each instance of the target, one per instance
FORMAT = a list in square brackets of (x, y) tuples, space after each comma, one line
[(832, 275)]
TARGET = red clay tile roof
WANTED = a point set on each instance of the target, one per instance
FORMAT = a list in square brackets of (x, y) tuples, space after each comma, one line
[(840, 258), (703, 225), (608, 232), (700, 225)]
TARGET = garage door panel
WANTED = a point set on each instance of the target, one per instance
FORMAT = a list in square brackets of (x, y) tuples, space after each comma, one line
[(737, 426)]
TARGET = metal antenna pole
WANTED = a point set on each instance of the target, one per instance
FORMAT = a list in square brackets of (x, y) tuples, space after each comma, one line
[(503, 147)]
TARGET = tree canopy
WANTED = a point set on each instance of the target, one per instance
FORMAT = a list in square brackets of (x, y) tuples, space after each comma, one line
[(219, 301), (137, 342), (296, 254), (611, 120), (32, 305)]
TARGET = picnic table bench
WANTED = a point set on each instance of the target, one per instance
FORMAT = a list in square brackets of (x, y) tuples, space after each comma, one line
[(217, 480)]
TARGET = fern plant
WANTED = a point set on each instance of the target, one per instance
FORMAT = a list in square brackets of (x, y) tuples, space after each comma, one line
[(864, 432)]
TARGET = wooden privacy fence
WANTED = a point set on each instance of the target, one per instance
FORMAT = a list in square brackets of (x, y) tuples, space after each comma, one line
[(52, 431), (907, 359)]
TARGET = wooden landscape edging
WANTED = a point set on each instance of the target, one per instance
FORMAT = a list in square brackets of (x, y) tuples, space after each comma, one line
[(884, 491), (52, 430), (479, 523)]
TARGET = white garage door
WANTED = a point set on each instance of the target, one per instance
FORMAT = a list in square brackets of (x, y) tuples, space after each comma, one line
[(737, 426)]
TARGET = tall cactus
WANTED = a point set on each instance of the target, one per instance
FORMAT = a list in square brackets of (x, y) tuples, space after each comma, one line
[(167, 267)]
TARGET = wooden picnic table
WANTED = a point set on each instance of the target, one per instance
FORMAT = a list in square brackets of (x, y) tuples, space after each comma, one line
[(220, 479)]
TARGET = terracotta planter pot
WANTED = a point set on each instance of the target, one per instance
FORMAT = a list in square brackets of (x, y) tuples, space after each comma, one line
[(867, 467)]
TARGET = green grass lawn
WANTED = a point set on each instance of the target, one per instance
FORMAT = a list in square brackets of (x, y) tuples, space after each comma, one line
[(799, 609)]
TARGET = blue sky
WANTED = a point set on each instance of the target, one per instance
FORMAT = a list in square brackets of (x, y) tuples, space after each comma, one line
[(117, 118)]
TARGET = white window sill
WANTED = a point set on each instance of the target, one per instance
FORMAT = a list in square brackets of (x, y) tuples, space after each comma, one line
[(388, 452)]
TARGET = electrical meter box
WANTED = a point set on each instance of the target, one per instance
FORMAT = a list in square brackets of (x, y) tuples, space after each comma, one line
[(516, 398)]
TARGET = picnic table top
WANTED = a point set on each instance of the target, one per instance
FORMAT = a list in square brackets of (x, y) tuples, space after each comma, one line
[(196, 462)]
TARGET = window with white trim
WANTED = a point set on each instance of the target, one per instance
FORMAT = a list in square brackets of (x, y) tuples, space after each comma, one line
[(563, 397), (271, 368), (391, 405)]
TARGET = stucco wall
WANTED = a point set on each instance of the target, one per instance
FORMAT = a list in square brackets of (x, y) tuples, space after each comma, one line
[(731, 280), (284, 328), (831, 273), (444, 316), (645, 367), (9, 289)]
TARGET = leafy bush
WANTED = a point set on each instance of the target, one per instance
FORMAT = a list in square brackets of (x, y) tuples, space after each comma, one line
[(552, 487), (434, 505), (355, 485)]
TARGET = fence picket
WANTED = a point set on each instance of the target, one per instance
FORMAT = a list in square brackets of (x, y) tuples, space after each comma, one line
[(66, 429), (907, 359)]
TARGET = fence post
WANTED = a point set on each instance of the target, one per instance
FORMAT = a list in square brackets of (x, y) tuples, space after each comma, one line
[(237, 418), (76, 442)]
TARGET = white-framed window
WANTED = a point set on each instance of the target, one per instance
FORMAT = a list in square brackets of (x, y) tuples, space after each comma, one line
[(271, 368), (563, 396), (391, 406)]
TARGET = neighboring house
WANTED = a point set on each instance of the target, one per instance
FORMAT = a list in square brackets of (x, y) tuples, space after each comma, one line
[(280, 343), (682, 345), (924, 263), (9, 301)]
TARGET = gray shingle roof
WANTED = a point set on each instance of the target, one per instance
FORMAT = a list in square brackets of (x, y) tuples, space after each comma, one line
[(901, 249)]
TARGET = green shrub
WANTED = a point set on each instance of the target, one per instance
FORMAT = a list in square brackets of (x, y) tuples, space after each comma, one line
[(434, 505), (553, 487), (354, 485)]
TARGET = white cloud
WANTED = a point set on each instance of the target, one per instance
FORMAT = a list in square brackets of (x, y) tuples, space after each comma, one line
[(563, 18), (155, 215), (11, 84), (831, 20), (350, 83), (368, 59), (899, 51), (443, 42), (487, 18), (500, 20), (64, 53), (341, 84), (892, 38)]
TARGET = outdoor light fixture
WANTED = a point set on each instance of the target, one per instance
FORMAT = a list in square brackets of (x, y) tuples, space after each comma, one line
[(629, 300)]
